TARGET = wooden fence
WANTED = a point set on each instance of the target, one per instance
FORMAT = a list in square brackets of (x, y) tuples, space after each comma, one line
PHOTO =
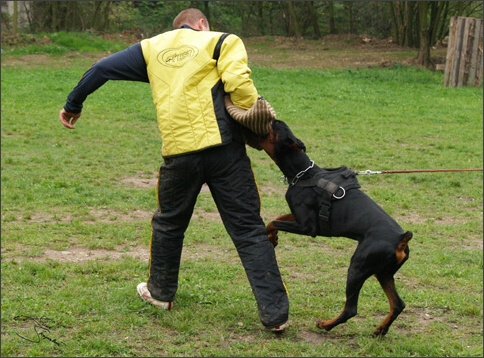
[(463, 64)]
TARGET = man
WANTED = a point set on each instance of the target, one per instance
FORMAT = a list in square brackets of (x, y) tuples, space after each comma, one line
[(190, 69)]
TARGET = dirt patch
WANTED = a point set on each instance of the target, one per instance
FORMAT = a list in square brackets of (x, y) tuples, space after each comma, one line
[(108, 215), (82, 254), (333, 52), (140, 183), (78, 254), (95, 215), (330, 52), (415, 218)]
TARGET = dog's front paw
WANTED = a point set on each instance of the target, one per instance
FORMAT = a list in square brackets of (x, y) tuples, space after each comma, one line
[(272, 234), (273, 238)]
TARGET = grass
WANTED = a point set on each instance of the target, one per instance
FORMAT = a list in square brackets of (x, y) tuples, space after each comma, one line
[(57, 43), (68, 192)]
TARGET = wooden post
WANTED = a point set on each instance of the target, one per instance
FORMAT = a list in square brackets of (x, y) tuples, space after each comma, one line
[(463, 64)]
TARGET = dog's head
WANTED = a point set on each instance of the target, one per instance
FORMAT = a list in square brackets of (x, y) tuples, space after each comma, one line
[(280, 141)]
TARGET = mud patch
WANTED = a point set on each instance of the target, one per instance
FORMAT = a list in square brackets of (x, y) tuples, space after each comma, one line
[(108, 215), (140, 183), (415, 218), (79, 254)]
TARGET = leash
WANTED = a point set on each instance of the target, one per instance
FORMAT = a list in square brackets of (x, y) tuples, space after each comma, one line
[(371, 172)]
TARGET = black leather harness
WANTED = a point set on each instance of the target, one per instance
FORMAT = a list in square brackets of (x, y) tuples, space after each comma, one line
[(331, 184)]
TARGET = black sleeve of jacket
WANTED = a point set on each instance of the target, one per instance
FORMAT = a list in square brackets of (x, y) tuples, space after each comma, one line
[(128, 65)]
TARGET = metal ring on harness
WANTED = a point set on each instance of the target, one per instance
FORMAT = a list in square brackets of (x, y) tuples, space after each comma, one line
[(342, 196)]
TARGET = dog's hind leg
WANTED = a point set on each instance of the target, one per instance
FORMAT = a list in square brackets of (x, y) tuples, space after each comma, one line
[(397, 305), (354, 282), (387, 282)]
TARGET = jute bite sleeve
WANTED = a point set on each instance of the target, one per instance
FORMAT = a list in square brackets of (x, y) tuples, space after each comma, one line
[(257, 118)]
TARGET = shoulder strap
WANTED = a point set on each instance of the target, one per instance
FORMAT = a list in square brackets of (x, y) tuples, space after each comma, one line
[(218, 46)]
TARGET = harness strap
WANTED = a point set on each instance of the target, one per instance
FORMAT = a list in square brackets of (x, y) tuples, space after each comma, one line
[(218, 46), (329, 189), (318, 182)]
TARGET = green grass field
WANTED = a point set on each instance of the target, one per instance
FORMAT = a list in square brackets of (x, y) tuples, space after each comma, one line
[(76, 207)]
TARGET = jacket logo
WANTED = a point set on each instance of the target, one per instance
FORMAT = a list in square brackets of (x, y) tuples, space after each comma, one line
[(177, 57)]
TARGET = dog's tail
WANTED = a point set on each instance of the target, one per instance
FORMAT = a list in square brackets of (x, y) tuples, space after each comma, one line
[(402, 251)]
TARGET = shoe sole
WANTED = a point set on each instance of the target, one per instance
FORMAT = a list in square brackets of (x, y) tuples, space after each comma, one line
[(146, 296), (280, 328)]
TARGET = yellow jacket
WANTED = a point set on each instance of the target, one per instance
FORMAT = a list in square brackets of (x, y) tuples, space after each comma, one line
[(188, 86)]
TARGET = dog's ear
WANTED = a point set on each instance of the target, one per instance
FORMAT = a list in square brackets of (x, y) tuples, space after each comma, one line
[(300, 145), (289, 139), (294, 143)]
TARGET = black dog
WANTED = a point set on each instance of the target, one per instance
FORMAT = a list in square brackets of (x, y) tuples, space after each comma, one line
[(327, 202)]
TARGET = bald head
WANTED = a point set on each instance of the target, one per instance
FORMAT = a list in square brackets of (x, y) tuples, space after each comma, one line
[(193, 18)]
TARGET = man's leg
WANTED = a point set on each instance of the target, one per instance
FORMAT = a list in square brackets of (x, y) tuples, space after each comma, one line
[(232, 183), (179, 184)]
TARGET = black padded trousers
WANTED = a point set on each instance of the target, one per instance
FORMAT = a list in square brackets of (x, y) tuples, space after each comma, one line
[(228, 173)]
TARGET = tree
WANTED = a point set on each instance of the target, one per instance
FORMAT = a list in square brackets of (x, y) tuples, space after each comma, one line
[(423, 57), (332, 27), (293, 20), (421, 24)]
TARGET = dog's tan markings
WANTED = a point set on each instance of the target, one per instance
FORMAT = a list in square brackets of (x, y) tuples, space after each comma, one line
[(267, 144), (272, 230), (331, 323), (396, 303), (400, 252), (325, 324), (272, 234)]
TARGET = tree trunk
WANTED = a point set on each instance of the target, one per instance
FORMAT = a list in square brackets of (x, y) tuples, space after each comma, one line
[(260, 8), (107, 9), (407, 21), (206, 10), (332, 26), (294, 24), (96, 17), (395, 20), (15, 17), (442, 26), (55, 16), (423, 56), (351, 19), (314, 19)]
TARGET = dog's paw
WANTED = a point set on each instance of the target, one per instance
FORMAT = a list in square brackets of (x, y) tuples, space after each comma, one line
[(272, 234), (380, 331), (273, 238), (324, 325)]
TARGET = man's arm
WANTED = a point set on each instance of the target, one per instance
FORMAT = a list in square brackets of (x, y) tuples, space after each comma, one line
[(235, 73), (128, 65)]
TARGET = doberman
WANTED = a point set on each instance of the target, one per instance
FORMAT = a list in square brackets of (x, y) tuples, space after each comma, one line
[(327, 202)]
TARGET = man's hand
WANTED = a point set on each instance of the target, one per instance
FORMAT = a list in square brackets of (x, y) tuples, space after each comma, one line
[(68, 119)]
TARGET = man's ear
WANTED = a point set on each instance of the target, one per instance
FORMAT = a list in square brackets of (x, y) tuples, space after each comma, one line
[(202, 25)]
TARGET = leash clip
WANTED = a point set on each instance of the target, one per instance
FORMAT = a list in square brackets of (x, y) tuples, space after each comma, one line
[(368, 172)]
